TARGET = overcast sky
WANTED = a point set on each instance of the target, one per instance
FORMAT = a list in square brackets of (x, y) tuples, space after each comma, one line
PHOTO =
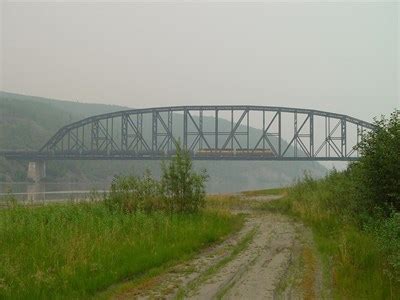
[(336, 57)]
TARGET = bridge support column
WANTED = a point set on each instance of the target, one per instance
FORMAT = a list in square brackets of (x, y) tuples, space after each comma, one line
[(37, 170)]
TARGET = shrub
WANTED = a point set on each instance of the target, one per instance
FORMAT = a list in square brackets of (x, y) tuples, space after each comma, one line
[(183, 188), (133, 193), (378, 171), (360, 248), (180, 189), (387, 232)]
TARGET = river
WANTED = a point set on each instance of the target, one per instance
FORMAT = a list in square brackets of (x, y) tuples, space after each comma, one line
[(49, 191)]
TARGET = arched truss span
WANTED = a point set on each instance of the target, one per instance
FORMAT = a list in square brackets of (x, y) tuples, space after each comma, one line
[(211, 132)]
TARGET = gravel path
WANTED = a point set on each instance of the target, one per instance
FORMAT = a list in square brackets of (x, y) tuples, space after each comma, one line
[(264, 260)]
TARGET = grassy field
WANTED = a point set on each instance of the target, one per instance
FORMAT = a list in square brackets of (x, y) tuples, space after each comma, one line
[(76, 250), (360, 251)]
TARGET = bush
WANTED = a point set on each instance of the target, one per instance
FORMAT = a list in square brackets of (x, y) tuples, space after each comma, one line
[(355, 216), (387, 233), (183, 189), (180, 189), (378, 171), (133, 193), (359, 247)]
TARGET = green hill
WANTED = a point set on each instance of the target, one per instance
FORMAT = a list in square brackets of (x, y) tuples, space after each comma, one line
[(28, 122)]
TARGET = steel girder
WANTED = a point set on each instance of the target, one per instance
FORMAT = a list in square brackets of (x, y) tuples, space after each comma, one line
[(153, 133)]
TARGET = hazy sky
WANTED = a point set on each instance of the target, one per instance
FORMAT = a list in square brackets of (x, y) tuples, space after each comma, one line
[(338, 57)]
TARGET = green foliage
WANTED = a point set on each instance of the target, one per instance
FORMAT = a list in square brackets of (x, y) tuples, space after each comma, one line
[(73, 251), (387, 232), (180, 190), (379, 168), (354, 216), (134, 193), (360, 247), (183, 189)]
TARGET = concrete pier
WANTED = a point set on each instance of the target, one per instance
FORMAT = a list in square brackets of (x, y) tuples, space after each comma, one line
[(37, 170)]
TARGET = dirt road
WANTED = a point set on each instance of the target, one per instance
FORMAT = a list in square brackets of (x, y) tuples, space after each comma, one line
[(270, 257)]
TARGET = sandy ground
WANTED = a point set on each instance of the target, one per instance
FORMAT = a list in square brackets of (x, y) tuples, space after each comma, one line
[(270, 257)]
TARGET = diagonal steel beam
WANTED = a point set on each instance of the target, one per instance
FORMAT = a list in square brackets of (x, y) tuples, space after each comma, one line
[(232, 133), (200, 131), (167, 130), (329, 136), (80, 145), (264, 136), (296, 133), (108, 137), (138, 134)]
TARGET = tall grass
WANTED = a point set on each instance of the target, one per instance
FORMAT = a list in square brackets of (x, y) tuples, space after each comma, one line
[(359, 247), (75, 250)]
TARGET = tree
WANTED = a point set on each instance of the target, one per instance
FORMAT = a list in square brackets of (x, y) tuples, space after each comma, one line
[(183, 188), (378, 170)]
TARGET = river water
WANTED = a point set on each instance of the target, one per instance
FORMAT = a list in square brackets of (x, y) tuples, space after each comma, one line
[(50, 191), (57, 191)]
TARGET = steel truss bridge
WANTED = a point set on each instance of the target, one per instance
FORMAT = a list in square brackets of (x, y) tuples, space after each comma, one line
[(209, 133)]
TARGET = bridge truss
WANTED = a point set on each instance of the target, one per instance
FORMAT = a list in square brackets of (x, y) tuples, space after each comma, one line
[(209, 133)]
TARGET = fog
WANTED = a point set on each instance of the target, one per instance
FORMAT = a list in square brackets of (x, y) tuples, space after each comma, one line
[(337, 57)]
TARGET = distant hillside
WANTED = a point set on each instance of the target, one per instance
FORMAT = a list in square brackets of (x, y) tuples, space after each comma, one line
[(28, 122)]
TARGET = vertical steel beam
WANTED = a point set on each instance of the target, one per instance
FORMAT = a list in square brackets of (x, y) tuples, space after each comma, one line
[(201, 129), (295, 134), (94, 133), (106, 136), (343, 138), (77, 146), (232, 129), (329, 137), (280, 133), (140, 128), (170, 140), (263, 138), (216, 130), (154, 132), (248, 130), (124, 133), (311, 135), (69, 140), (185, 129), (326, 136), (94, 137), (112, 135), (83, 137)]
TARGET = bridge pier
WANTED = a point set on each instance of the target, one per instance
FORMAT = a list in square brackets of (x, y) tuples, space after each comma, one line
[(37, 170)]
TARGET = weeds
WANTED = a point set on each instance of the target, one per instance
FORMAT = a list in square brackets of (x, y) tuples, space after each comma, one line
[(180, 190), (75, 250), (360, 252)]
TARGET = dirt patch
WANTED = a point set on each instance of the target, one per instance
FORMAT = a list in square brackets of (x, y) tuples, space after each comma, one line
[(270, 257)]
